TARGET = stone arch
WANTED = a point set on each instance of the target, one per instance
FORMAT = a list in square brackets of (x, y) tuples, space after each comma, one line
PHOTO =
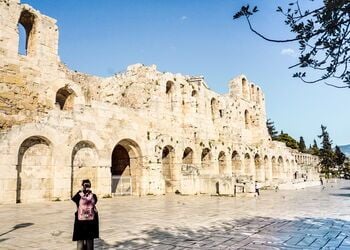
[(214, 108), (275, 170), (187, 157), (267, 168), (34, 170), (169, 88), (222, 163), (244, 88), (280, 163), (127, 163), (84, 164), (170, 94), (258, 95), (287, 168), (246, 119), (206, 158), (247, 165), (252, 92), (65, 98), (194, 95), (236, 163), (168, 167), (26, 23), (259, 171)]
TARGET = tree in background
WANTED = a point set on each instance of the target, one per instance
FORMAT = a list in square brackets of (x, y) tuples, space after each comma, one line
[(339, 156), (302, 146), (290, 141), (271, 128), (323, 36), (326, 152), (314, 150)]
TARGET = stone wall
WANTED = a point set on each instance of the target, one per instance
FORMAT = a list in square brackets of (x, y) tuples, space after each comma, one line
[(138, 132)]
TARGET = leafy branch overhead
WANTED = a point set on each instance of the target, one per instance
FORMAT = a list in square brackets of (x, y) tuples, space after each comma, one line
[(323, 34)]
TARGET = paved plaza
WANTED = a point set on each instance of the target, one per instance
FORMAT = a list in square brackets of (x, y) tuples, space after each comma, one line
[(312, 218)]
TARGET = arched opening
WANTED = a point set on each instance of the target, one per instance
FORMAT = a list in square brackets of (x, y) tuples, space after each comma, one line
[(280, 166), (169, 87), (244, 88), (65, 98), (187, 157), (84, 165), (206, 158), (126, 168), (252, 92), (275, 172), (259, 171), (267, 169), (222, 163), (168, 157), (258, 95), (170, 91), (247, 165), (236, 163), (214, 109), (194, 95), (287, 168), (34, 170), (25, 30), (246, 119)]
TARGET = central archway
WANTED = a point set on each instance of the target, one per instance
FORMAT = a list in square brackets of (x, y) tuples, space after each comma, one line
[(259, 171), (168, 156), (126, 168), (84, 165), (222, 163)]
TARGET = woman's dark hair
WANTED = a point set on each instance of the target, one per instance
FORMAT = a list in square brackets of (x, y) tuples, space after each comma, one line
[(86, 181)]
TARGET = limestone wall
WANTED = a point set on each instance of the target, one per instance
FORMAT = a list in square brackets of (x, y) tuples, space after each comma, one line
[(138, 132)]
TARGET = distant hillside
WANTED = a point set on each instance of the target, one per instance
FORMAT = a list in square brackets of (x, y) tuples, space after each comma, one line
[(345, 149)]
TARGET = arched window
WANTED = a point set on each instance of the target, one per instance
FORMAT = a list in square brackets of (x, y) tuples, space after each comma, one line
[(252, 92), (246, 119), (169, 91), (214, 108), (206, 158), (65, 98), (194, 94), (25, 27), (222, 162), (169, 87), (258, 95), (244, 88), (187, 157)]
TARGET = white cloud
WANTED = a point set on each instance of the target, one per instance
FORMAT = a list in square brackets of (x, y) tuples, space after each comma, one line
[(288, 52), (183, 18)]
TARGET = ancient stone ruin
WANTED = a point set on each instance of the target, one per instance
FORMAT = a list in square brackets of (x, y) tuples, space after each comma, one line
[(139, 132)]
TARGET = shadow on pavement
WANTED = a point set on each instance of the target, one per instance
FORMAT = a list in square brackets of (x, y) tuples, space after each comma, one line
[(343, 195), (251, 233), (18, 226)]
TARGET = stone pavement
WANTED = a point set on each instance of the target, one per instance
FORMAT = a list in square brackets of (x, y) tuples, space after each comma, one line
[(312, 218)]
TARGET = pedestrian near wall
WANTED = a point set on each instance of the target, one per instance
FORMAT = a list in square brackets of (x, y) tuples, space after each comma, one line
[(86, 225), (257, 188)]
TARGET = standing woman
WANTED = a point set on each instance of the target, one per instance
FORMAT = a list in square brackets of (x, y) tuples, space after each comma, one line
[(86, 217)]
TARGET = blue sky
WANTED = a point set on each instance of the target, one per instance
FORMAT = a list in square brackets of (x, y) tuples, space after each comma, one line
[(199, 37)]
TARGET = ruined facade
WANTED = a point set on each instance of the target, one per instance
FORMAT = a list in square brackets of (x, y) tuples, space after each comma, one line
[(138, 132)]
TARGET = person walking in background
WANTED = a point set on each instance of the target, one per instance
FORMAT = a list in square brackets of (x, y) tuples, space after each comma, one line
[(86, 223), (257, 188)]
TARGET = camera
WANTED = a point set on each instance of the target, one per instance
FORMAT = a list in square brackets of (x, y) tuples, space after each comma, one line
[(87, 185)]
